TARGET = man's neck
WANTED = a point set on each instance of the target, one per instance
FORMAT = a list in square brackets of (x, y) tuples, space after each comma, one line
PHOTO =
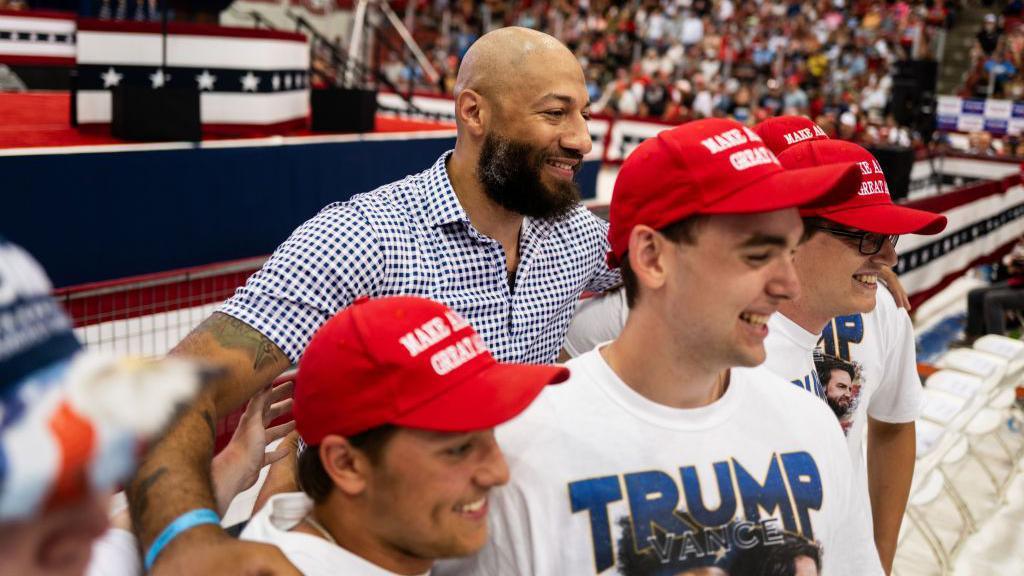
[(657, 366), (489, 218), (351, 534), (809, 320)]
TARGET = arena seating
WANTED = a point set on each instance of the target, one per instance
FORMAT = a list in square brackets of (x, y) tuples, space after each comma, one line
[(969, 445)]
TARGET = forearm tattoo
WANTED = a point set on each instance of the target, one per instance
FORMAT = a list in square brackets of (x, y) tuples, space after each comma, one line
[(234, 334)]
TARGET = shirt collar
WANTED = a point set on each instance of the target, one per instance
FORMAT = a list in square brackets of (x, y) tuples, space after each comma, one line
[(443, 206), (793, 331)]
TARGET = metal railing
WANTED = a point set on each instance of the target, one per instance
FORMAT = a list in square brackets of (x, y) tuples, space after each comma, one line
[(148, 315)]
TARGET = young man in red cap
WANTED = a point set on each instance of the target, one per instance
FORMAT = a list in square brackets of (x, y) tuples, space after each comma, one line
[(781, 132), (842, 308), (396, 399), (878, 335), (663, 453)]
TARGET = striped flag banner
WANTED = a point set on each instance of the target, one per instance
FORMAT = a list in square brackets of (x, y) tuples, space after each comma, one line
[(246, 77), (37, 38)]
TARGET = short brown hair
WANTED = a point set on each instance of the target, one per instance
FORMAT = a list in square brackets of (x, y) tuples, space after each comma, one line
[(812, 225), (683, 231), (313, 479)]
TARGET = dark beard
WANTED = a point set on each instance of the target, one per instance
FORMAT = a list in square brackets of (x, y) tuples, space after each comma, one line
[(837, 408), (510, 172)]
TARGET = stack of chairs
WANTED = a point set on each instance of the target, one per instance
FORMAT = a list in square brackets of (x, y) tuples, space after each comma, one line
[(969, 445)]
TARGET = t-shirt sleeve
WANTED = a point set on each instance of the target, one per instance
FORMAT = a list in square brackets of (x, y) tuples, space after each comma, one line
[(597, 319), (321, 268), (899, 396)]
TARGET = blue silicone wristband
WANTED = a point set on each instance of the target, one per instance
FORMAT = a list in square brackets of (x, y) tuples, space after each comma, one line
[(188, 520)]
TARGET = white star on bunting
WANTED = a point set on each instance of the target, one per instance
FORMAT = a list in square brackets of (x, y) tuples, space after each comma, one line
[(250, 82), (111, 78), (276, 81), (206, 80), (158, 78)]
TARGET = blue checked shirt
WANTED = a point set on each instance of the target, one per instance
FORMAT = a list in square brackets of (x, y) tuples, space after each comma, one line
[(413, 237)]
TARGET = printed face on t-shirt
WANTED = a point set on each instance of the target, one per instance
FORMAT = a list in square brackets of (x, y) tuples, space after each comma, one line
[(840, 389), (427, 494), (841, 383)]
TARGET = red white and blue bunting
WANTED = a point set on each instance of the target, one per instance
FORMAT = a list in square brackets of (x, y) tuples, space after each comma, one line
[(245, 77)]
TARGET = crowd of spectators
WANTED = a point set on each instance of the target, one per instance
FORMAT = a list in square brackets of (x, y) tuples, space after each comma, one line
[(677, 60), (997, 57), (997, 71)]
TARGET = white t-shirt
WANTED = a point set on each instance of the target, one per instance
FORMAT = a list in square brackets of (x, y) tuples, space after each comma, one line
[(880, 342), (597, 319), (879, 346), (604, 481), (312, 555)]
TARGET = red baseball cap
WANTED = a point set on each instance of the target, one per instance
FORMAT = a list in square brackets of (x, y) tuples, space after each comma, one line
[(410, 362), (871, 209), (713, 166), (781, 132)]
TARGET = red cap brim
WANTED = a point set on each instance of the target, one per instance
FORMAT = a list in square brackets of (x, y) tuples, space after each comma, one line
[(885, 219), (484, 400), (818, 185)]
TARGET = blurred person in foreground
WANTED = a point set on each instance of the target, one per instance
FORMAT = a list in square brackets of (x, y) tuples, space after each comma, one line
[(494, 229), (396, 400), (73, 425)]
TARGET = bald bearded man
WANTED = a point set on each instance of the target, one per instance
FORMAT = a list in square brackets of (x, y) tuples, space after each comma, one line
[(494, 229)]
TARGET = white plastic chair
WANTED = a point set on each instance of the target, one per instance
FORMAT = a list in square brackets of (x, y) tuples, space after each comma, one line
[(988, 366), (942, 408), (928, 435), (958, 383), (963, 461), (1009, 348), (929, 519)]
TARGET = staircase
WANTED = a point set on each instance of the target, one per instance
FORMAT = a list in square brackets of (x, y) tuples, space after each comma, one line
[(956, 58)]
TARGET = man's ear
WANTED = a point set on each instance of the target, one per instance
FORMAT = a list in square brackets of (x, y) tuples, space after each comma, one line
[(473, 112), (647, 250), (347, 467)]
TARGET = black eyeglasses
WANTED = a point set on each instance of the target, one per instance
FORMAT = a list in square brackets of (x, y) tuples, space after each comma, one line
[(870, 242)]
